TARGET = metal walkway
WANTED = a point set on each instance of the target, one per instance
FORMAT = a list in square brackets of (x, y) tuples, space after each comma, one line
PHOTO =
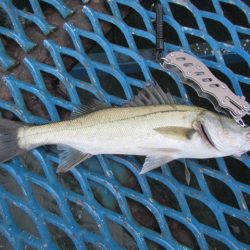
[(104, 203)]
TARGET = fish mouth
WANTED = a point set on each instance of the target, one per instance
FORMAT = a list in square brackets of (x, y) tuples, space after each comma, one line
[(205, 135)]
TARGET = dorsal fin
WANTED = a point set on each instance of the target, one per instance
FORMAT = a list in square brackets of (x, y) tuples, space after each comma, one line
[(152, 95), (93, 106)]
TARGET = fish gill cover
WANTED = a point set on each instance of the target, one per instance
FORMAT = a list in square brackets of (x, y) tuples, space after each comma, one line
[(104, 203)]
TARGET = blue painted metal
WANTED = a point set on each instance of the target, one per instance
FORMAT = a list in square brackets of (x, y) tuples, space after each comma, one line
[(101, 184)]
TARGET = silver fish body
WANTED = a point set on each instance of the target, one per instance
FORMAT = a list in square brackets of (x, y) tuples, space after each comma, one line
[(160, 132)]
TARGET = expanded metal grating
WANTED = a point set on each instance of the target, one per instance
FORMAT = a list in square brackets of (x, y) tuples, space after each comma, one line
[(104, 203)]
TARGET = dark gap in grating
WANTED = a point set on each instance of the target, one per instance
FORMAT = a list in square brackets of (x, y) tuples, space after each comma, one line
[(110, 84), (116, 36), (206, 5), (134, 19), (148, 4), (182, 234), (104, 197), (162, 194), (238, 170), (83, 218), (28, 247), (62, 112), (5, 244), (124, 176), (68, 60), (63, 241), (212, 163), (31, 163), (122, 236), (238, 228), (129, 66), (238, 65), (94, 48), (23, 220), (247, 199), (153, 245), (143, 216), (10, 184), (202, 212), (200, 47), (235, 14), (93, 164), (170, 35), (98, 54), (105, 6), (222, 77), (85, 96), (246, 2), (221, 191), (70, 182), (144, 43), (178, 170), (135, 90), (214, 244), (45, 200), (56, 88), (90, 246), (246, 93), (245, 41), (183, 16), (45, 6), (34, 104), (9, 115), (197, 100), (217, 30), (5, 20), (23, 5), (165, 81)]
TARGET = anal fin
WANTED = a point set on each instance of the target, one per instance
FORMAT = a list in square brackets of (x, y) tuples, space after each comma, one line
[(69, 158), (154, 161)]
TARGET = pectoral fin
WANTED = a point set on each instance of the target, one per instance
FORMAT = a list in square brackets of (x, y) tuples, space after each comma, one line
[(152, 162), (176, 132), (70, 158)]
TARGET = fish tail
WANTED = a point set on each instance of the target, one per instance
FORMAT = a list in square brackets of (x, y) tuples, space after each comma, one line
[(9, 146)]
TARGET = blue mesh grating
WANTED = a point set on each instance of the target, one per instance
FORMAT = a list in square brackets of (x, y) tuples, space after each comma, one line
[(105, 203)]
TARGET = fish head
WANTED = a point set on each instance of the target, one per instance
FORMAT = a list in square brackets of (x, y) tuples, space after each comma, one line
[(223, 133)]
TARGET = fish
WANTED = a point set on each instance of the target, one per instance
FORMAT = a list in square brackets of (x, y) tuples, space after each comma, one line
[(154, 125)]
